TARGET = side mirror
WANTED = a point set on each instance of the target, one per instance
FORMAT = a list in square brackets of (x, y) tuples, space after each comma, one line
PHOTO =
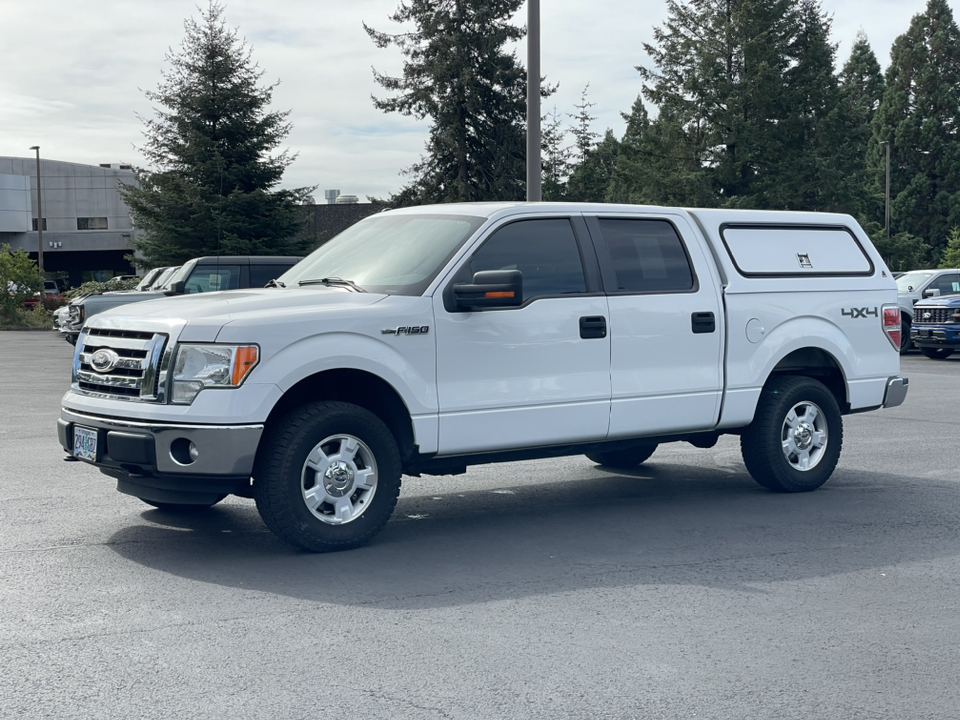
[(932, 292), (177, 288), (490, 289)]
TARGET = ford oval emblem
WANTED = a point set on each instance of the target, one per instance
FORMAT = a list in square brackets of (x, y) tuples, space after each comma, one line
[(927, 316), (104, 360)]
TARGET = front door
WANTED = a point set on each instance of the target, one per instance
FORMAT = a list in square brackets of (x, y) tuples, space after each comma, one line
[(533, 375)]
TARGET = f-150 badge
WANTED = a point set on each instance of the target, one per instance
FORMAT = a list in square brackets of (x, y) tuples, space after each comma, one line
[(407, 330)]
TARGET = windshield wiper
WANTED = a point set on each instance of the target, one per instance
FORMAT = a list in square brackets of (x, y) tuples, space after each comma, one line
[(333, 281), (275, 283)]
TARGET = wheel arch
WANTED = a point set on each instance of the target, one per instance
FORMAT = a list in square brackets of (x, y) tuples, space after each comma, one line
[(818, 364), (359, 387)]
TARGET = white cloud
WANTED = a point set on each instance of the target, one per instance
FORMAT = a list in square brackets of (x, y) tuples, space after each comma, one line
[(76, 70)]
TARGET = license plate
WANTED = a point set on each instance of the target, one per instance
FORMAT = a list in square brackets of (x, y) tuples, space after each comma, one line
[(84, 443), (924, 333)]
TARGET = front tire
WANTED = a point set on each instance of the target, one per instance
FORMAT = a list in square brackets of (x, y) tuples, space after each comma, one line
[(623, 459), (905, 342), (794, 441), (327, 476), (937, 353)]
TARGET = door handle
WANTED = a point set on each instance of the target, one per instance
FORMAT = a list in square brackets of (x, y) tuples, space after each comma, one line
[(593, 326), (703, 322)]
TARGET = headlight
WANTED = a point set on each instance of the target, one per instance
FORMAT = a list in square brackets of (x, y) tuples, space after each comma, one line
[(75, 313), (210, 366)]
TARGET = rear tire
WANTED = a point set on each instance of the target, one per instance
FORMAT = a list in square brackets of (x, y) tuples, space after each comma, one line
[(937, 353), (794, 441), (327, 476), (623, 459)]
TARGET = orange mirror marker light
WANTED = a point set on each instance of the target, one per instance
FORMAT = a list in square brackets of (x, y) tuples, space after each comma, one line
[(500, 295)]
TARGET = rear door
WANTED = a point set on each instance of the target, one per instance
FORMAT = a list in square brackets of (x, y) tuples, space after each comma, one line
[(666, 325)]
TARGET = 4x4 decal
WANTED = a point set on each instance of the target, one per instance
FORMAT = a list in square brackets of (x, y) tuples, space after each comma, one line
[(860, 312)]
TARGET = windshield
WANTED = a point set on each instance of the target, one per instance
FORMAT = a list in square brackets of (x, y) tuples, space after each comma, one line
[(179, 273), (164, 279), (148, 279), (912, 281), (394, 254)]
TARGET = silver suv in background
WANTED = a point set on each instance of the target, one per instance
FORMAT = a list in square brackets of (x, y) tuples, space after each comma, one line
[(918, 285), (199, 275)]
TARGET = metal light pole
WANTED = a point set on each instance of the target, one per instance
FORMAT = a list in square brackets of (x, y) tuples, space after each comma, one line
[(39, 221), (534, 184)]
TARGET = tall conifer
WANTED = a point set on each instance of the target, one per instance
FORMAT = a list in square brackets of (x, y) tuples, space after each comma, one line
[(209, 188), (920, 117), (457, 73)]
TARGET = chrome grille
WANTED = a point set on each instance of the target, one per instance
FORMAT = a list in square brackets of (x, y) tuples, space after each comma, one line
[(934, 315), (138, 373)]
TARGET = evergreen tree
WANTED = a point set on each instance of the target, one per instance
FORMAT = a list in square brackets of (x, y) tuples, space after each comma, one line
[(590, 180), (209, 189), (457, 74), (861, 87), (555, 158), (584, 138), (655, 165), (951, 257), (750, 86), (920, 117)]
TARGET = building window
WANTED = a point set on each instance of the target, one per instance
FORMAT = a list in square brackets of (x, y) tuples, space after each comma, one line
[(92, 223), (35, 224)]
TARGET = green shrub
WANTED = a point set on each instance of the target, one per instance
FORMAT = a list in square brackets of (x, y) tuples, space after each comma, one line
[(97, 288), (19, 279)]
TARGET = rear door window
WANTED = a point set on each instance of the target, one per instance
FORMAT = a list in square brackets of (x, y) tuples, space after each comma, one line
[(648, 256)]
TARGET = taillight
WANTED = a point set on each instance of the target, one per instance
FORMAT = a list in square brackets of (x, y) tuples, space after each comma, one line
[(891, 325)]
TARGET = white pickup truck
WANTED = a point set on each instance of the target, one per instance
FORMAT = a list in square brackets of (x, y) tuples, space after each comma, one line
[(428, 339)]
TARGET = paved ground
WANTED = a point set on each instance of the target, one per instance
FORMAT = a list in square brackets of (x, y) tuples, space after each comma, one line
[(548, 589)]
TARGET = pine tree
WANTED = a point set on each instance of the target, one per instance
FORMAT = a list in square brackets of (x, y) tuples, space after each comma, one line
[(584, 137), (951, 256), (920, 117), (861, 87), (555, 158), (590, 180), (655, 165), (209, 187), (458, 75), (748, 88)]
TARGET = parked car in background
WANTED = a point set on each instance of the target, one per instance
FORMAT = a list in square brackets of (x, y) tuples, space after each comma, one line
[(199, 275), (936, 326), (918, 285)]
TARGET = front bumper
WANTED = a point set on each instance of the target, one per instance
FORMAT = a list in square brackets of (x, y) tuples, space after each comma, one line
[(145, 455), (939, 336)]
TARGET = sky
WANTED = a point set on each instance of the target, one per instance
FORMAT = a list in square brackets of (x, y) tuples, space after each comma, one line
[(74, 72)]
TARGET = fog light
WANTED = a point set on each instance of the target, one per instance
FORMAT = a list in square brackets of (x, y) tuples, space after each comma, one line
[(183, 451)]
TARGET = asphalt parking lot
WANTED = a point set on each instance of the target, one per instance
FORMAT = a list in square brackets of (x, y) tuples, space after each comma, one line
[(549, 589)]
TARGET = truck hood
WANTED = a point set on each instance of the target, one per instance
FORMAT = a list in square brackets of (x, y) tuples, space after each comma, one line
[(229, 305), (201, 317), (943, 301)]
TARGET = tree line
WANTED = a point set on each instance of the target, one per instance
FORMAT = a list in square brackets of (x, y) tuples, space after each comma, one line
[(743, 105)]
